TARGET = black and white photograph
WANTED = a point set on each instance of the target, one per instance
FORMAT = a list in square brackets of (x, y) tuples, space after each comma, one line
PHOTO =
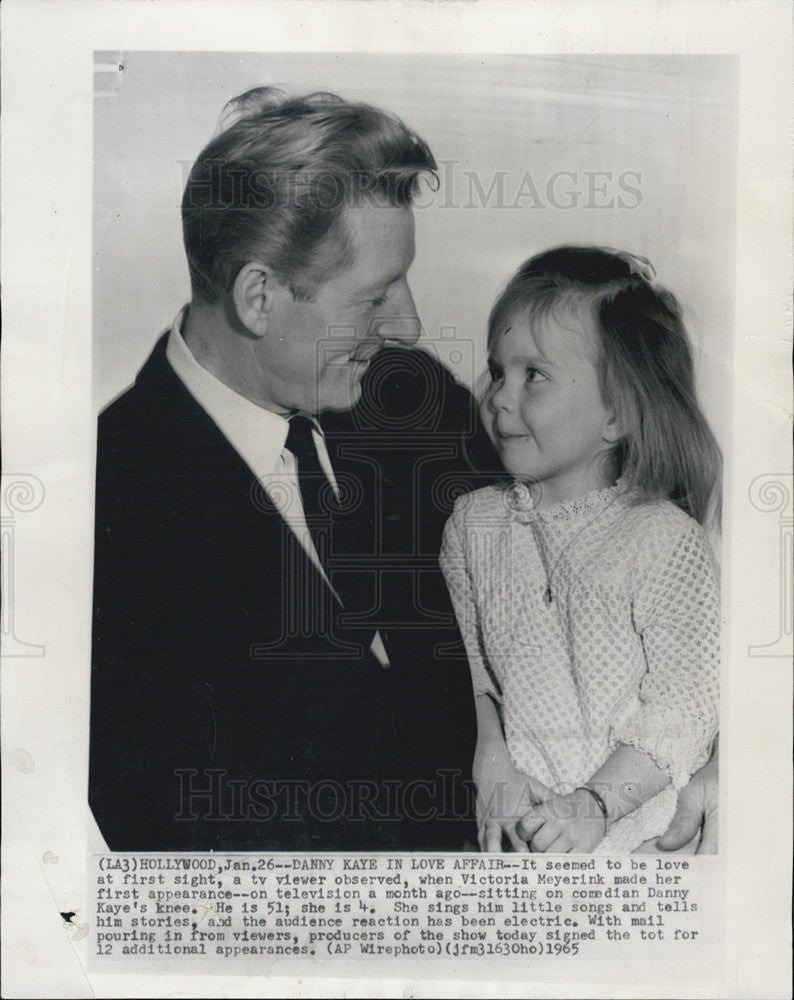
[(248, 694), (372, 543)]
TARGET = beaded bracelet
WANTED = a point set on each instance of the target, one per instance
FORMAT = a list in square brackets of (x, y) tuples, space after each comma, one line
[(598, 801)]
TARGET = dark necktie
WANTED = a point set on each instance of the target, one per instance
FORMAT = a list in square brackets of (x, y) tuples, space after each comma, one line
[(323, 517), (316, 492)]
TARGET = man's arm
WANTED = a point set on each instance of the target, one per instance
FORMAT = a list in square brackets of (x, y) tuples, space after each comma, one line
[(698, 804), (503, 792), (150, 718)]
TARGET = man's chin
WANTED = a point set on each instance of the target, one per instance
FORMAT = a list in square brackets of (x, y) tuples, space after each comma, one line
[(345, 398)]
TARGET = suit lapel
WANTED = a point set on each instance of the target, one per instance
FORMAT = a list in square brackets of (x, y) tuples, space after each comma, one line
[(225, 474)]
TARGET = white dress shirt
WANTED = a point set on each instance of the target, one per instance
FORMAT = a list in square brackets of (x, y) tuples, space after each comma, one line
[(258, 436)]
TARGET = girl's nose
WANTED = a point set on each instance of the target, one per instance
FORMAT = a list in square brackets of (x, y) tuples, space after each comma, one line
[(499, 398)]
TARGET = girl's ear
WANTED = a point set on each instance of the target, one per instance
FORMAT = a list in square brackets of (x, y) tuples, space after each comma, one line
[(253, 293), (612, 431)]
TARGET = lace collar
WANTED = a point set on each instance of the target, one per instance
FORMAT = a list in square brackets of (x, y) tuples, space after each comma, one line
[(519, 503)]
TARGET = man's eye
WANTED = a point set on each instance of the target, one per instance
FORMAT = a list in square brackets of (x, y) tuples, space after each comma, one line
[(379, 301)]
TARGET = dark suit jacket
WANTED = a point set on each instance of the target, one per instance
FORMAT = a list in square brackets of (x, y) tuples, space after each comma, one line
[(235, 704)]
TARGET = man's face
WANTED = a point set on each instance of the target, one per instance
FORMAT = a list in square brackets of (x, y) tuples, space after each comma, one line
[(314, 354)]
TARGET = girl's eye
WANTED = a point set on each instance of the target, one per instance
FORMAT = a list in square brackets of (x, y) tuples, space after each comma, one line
[(495, 373), (533, 375)]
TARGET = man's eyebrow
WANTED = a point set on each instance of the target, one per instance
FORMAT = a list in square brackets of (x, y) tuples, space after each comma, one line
[(384, 282)]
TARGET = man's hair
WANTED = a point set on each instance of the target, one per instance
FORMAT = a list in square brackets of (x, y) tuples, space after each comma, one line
[(272, 186)]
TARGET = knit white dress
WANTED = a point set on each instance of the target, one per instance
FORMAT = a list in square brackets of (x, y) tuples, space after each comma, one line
[(626, 652)]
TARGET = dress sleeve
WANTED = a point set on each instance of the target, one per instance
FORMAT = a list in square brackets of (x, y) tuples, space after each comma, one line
[(461, 590), (677, 616)]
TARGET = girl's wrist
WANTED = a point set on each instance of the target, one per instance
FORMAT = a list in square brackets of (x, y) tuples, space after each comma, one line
[(601, 805)]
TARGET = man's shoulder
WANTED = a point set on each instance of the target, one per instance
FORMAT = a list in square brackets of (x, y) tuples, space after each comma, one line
[(155, 431), (156, 405), (404, 378), (154, 371), (410, 391)]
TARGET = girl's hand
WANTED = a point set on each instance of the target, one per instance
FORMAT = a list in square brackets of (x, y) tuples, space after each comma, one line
[(575, 822), (503, 795), (564, 823)]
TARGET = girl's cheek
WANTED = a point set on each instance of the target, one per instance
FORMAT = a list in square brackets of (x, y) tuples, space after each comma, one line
[(486, 416)]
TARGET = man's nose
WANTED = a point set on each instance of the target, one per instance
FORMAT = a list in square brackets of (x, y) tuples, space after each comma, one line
[(399, 320)]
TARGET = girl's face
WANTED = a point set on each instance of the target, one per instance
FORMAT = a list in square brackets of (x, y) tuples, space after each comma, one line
[(543, 409)]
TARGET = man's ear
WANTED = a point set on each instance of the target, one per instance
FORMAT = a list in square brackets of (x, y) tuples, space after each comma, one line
[(253, 294)]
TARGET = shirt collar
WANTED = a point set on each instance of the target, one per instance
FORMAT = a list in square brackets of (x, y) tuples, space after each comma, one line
[(258, 435)]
